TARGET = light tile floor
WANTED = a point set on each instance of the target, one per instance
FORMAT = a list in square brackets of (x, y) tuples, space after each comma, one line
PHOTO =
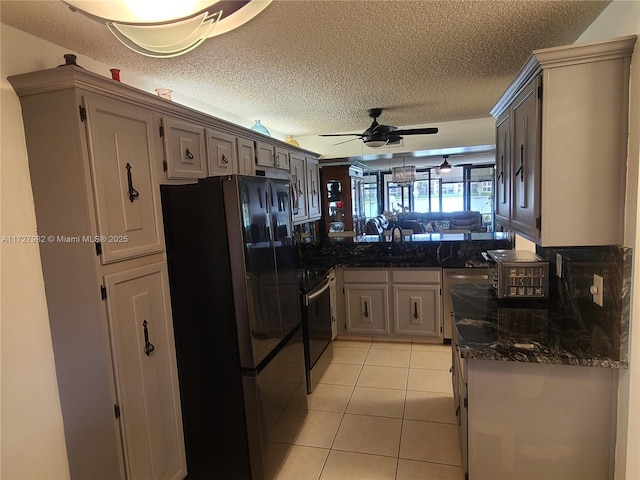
[(381, 411)]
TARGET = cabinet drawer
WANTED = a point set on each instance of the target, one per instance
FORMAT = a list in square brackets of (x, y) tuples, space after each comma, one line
[(416, 276), (365, 276)]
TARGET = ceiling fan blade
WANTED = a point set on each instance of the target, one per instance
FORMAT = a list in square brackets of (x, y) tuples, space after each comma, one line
[(341, 135), (416, 131), (346, 141)]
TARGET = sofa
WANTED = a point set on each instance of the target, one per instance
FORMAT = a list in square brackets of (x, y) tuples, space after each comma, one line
[(428, 222), (439, 222)]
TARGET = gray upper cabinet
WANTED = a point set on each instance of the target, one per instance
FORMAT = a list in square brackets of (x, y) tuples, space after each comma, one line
[(561, 144), (503, 169), (314, 206), (299, 179), (270, 156), (121, 152), (221, 153), (184, 149), (246, 156), (525, 161)]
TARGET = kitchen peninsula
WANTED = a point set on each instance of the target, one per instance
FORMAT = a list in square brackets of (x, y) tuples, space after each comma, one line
[(535, 387), (394, 290), (420, 250)]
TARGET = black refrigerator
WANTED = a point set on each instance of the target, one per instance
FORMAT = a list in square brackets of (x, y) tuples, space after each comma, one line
[(236, 317)]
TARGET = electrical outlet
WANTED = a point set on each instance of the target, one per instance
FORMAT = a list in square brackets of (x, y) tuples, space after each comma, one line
[(597, 289), (558, 265)]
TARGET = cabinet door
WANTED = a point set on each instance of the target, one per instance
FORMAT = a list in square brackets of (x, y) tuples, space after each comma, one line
[(503, 169), (525, 179), (282, 158), (183, 149), (121, 152), (417, 309), (246, 157), (367, 308), (221, 153), (313, 188), (264, 155), (142, 344), (299, 176)]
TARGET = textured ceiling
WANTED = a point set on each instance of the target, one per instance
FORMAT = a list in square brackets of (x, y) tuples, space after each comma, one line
[(313, 67)]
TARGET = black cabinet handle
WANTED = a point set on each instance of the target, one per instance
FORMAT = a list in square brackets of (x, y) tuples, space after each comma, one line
[(519, 171), (133, 193), (224, 159), (366, 309), (148, 346), (188, 154), (415, 310)]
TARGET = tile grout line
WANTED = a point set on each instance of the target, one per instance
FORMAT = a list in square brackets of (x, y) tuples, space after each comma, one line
[(343, 414)]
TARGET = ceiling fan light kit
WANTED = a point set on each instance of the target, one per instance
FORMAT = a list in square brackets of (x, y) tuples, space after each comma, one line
[(445, 167)]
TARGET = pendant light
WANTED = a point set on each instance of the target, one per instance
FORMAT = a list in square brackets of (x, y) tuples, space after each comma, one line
[(445, 167), (404, 175)]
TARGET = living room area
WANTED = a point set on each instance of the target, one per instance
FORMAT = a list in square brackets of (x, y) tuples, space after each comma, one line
[(417, 195)]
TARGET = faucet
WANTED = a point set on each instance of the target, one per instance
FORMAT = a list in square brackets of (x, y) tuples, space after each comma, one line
[(399, 238)]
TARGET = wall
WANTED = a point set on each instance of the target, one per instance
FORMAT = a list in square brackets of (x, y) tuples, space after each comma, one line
[(622, 17), (32, 435)]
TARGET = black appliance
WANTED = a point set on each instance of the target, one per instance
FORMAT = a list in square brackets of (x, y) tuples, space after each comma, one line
[(236, 318), (315, 285)]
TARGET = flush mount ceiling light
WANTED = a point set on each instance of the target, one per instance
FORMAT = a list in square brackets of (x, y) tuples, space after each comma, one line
[(445, 167), (166, 28)]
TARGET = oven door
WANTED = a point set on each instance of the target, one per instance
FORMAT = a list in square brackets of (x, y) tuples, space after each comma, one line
[(316, 330)]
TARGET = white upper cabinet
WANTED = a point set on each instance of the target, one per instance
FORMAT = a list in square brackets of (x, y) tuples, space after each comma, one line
[(121, 153), (246, 156), (221, 153), (270, 156), (299, 179), (184, 149)]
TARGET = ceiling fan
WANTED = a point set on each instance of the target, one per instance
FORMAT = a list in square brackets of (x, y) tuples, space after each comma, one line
[(379, 135)]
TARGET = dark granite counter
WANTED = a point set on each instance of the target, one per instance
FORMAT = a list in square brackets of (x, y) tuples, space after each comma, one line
[(534, 331), (426, 250)]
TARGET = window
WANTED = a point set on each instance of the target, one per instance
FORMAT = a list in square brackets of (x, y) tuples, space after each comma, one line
[(371, 200), (466, 187)]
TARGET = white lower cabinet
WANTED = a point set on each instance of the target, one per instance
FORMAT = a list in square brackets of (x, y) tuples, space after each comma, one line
[(367, 301), (148, 408), (417, 309), (412, 295), (533, 420)]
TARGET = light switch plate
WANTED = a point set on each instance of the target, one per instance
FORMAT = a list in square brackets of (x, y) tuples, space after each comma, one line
[(598, 289), (558, 265)]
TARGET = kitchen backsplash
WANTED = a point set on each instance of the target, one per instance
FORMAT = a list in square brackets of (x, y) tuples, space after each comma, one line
[(577, 266)]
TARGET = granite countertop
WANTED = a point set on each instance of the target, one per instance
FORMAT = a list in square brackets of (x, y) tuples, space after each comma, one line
[(447, 251), (535, 331)]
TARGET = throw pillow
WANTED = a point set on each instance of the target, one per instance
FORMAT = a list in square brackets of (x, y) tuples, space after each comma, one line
[(440, 225), (427, 227)]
